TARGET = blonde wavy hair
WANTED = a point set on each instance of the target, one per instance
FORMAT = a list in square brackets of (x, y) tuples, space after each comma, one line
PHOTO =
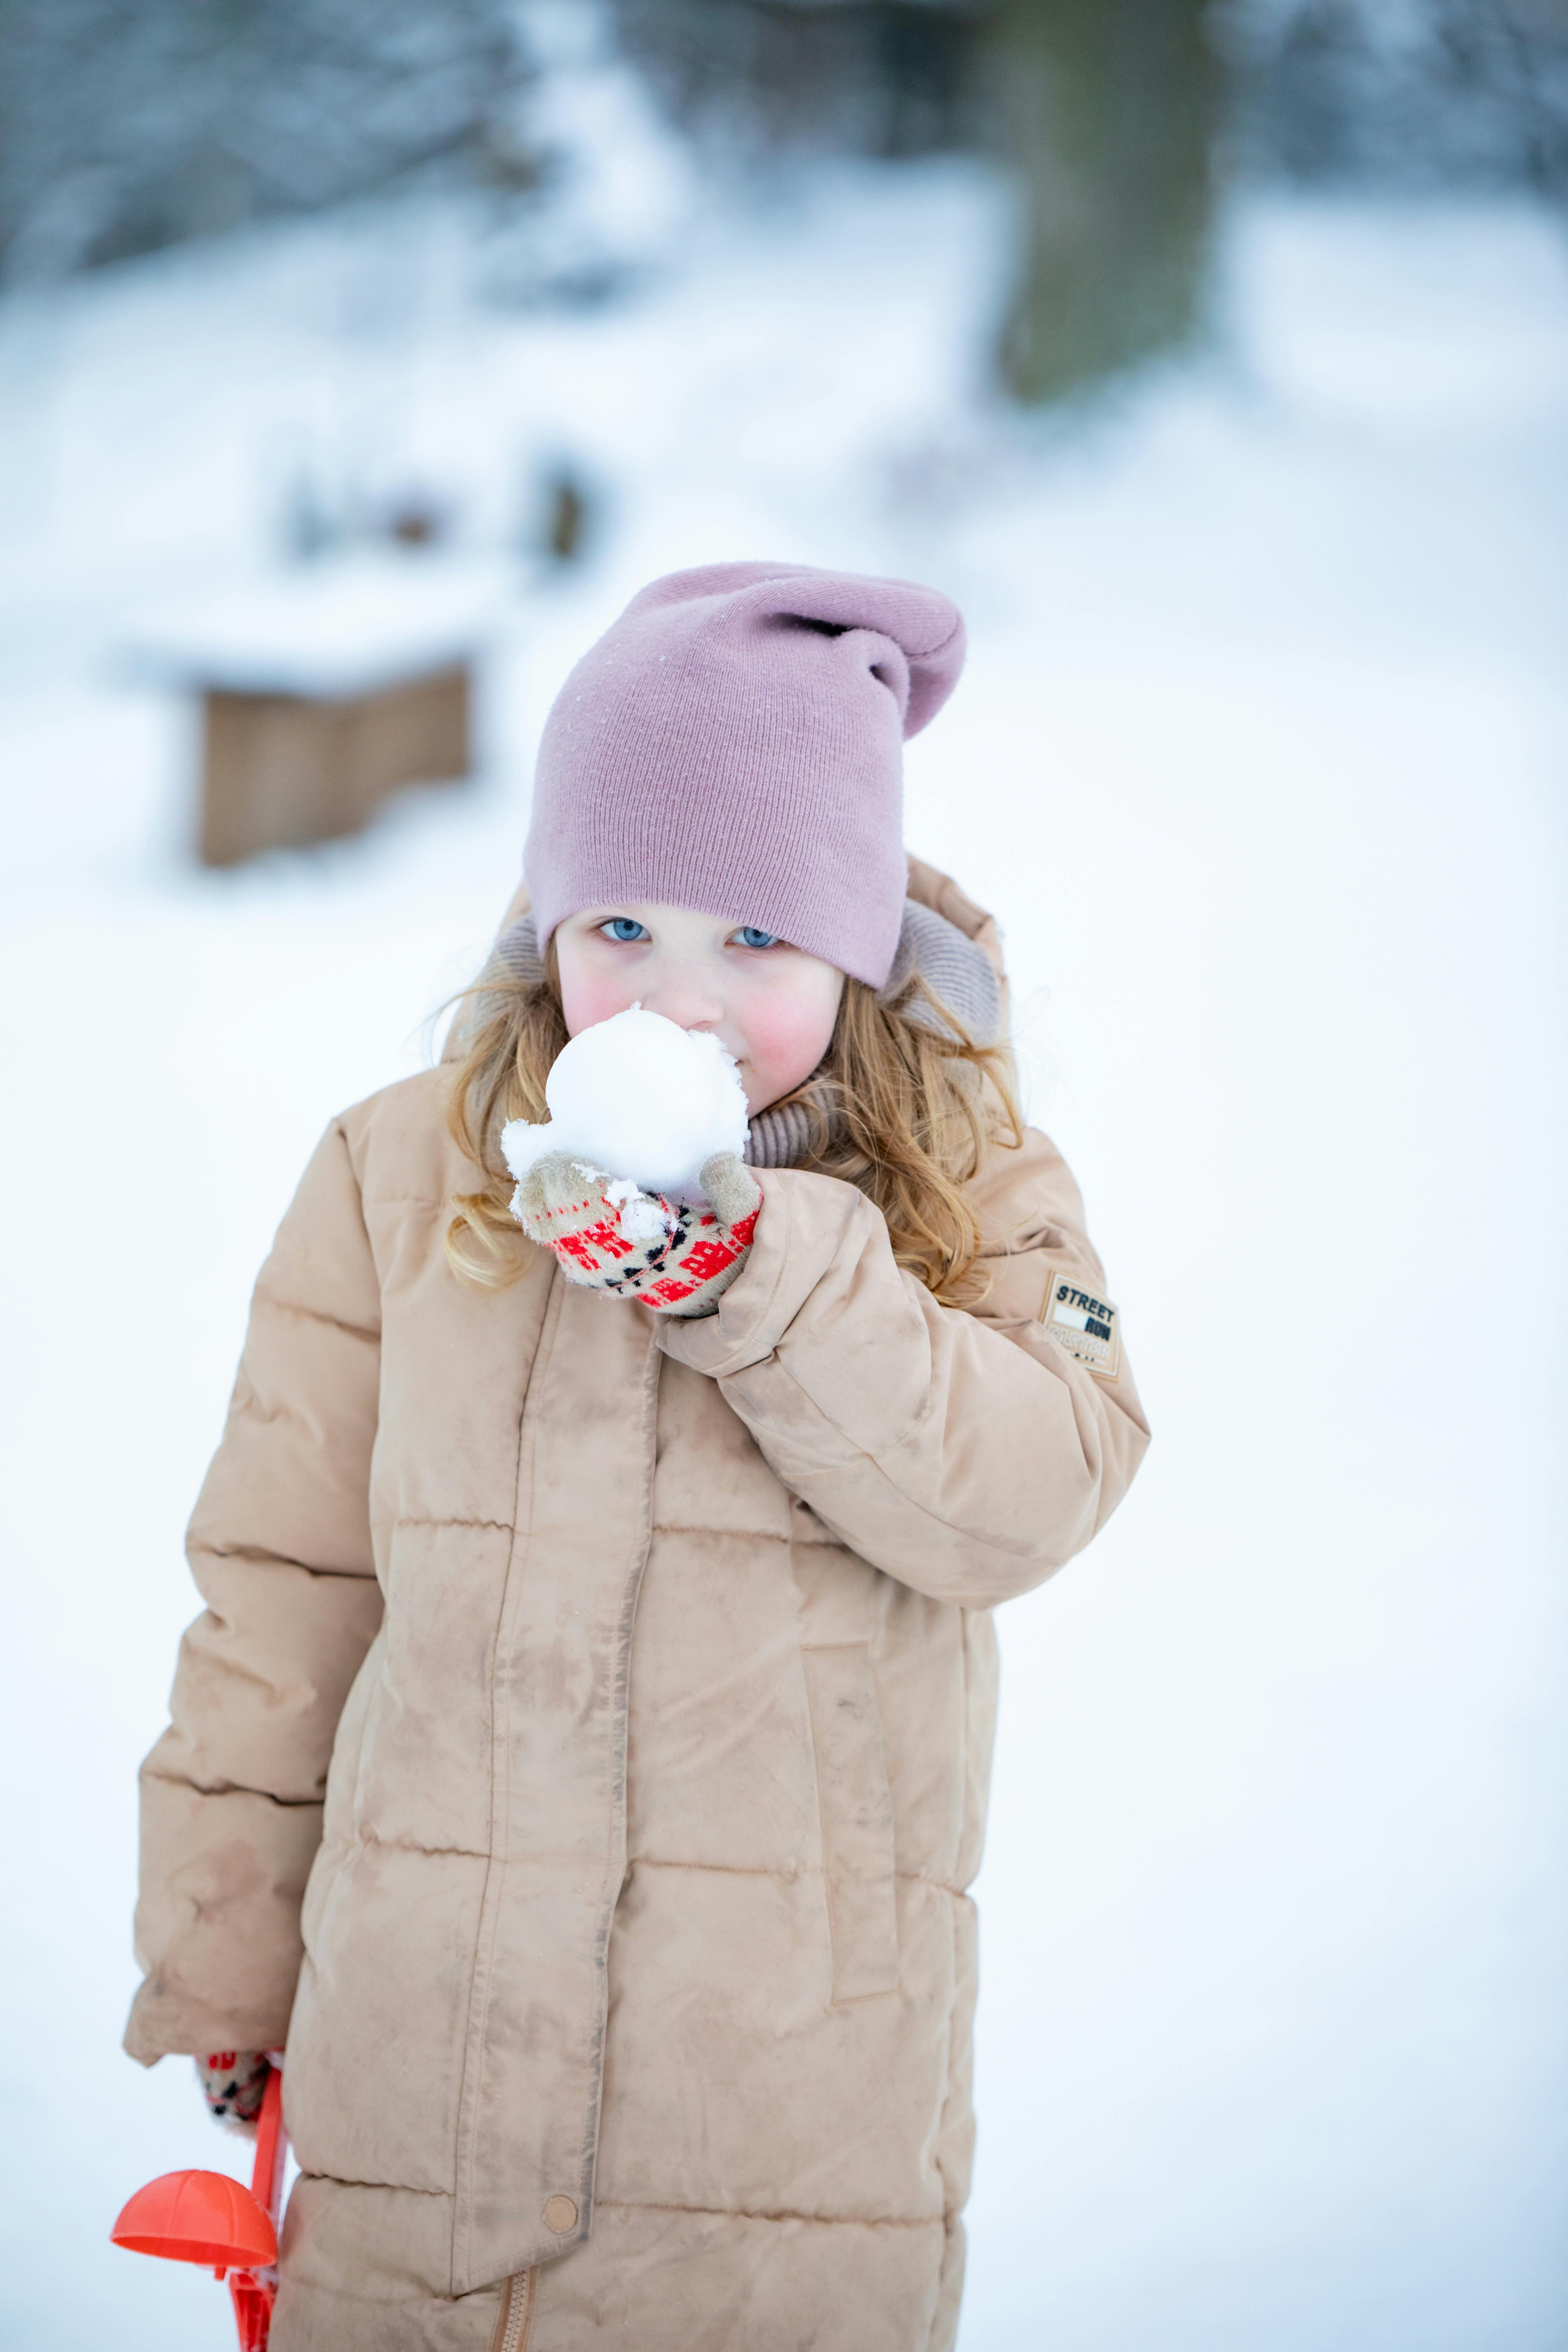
[(904, 1110)]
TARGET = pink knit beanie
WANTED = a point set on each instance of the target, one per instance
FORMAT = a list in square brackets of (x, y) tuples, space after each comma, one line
[(733, 743)]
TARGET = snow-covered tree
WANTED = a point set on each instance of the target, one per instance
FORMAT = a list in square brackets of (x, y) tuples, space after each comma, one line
[(126, 128)]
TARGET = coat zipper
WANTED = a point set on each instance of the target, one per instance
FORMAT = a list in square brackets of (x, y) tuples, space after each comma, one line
[(516, 2311)]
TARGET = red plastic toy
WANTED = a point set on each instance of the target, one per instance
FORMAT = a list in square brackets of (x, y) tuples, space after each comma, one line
[(208, 2218)]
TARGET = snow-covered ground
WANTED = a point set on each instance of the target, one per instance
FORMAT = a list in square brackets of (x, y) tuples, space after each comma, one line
[(1260, 759)]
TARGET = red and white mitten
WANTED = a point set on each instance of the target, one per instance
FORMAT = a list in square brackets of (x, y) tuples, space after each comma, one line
[(235, 2083), (610, 1236)]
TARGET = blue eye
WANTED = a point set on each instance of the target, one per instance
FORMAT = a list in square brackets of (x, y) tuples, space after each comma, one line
[(750, 937), (623, 927)]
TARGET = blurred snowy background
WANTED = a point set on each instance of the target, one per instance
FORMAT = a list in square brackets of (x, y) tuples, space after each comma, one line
[(1216, 360)]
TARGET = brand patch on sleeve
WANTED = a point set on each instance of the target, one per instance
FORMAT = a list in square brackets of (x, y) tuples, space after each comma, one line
[(1086, 1326)]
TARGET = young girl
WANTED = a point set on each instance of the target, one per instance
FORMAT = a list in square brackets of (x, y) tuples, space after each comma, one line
[(583, 1757)]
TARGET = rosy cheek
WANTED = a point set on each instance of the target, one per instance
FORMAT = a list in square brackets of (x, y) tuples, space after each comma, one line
[(786, 1042), (590, 994)]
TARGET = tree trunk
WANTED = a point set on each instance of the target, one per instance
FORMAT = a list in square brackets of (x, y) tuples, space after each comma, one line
[(1108, 110)]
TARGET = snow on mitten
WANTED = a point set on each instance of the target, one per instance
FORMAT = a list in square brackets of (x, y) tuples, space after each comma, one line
[(610, 1236), (234, 2082)]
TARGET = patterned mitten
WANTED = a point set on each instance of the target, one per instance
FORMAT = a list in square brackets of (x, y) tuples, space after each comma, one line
[(235, 2081), (609, 1235)]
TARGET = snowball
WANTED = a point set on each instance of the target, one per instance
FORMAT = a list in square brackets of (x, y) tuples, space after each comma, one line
[(642, 1219), (639, 1098)]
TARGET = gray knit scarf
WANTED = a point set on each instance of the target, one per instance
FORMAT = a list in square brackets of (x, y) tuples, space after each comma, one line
[(955, 970)]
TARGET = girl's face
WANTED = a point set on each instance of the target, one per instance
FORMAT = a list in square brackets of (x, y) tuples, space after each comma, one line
[(771, 1005)]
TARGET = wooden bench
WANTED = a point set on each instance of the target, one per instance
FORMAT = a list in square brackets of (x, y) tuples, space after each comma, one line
[(323, 690), (281, 769)]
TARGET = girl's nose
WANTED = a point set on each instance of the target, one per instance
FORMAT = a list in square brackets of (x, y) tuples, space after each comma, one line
[(685, 994)]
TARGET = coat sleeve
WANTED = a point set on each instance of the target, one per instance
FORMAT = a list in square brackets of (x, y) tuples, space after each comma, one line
[(967, 1454), (280, 1549)]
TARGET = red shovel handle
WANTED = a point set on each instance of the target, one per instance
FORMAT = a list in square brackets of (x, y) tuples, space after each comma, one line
[(253, 2293), (272, 2147)]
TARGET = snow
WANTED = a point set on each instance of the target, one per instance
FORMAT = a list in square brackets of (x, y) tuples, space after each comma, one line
[(642, 1219), (639, 1095), (1260, 760), (345, 627)]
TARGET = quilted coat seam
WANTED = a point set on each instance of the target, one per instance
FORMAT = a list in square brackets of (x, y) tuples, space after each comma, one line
[(394, 2188), (946, 2107), (963, 1728), (396, 1519), (280, 1306), (739, 1535), (261, 1556), (247, 1402), (790, 1877), (664, 2205), (229, 1789), (362, 1838), (781, 2213)]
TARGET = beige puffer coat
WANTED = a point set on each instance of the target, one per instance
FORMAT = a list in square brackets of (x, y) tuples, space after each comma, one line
[(647, 1672)]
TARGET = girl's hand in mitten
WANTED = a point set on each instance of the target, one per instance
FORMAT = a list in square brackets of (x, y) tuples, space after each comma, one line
[(609, 1235), (235, 2081)]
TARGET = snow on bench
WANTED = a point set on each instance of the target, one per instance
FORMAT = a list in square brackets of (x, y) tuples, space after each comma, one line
[(323, 690)]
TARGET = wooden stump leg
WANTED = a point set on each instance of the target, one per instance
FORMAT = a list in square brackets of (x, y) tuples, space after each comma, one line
[(280, 771)]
